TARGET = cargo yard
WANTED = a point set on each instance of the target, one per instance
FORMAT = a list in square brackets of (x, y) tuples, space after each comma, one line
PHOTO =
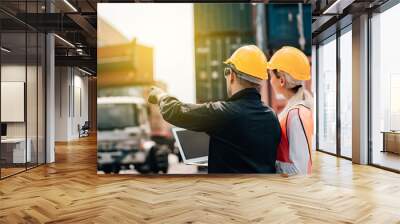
[(129, 69)]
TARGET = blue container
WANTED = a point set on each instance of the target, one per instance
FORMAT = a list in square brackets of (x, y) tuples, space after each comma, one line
[(220, 28), (222, 18), (210, 53), (282, 26)]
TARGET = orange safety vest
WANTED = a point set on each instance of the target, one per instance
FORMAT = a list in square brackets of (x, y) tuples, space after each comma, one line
[(306, 119)]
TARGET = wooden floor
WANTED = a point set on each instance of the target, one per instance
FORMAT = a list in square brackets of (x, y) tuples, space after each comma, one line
[(10, 171), (69, 191), (387, 159)]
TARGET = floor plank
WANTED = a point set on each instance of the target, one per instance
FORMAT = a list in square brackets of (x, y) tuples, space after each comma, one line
[(70, 191)]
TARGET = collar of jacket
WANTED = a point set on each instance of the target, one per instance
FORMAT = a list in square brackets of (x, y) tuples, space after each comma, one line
[(302, 97), (248, 93)]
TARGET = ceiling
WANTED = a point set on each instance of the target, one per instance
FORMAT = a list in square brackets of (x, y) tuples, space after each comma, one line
[(332, 15), (74, 22)]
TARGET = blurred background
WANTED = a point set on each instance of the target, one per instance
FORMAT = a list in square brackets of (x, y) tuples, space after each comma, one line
[(180, 48)]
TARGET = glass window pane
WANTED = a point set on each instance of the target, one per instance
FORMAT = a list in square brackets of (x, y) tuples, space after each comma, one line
[(14, 153), (23, 85), (41, 98), (346, 94), (385, 85), (31, 97), (327, 96)]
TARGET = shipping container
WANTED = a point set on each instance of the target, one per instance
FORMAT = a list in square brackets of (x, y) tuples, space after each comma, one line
[(222, 18), (125, 64), (108, 35), (219, 30), (210, 53), (285, 27)]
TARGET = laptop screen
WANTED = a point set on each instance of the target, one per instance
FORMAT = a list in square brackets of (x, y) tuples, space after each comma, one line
[(3, 129), (194, 144)]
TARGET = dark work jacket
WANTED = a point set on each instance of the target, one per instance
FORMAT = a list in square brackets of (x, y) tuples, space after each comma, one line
[(244, 133)]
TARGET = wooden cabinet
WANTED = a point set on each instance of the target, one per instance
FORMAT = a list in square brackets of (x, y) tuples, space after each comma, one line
[(391, 142)]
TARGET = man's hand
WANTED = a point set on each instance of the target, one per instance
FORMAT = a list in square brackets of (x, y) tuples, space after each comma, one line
[(155, 95)]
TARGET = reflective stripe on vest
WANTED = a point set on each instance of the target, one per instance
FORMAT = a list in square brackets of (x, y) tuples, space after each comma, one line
[(306, 119)]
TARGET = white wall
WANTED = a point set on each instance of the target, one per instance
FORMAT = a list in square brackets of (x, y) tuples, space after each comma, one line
[(71, 94), (61, 103), (80, 96), (12, 73), (33, 126)]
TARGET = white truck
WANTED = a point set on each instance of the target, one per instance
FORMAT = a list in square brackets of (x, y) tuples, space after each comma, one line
[(123, 137)]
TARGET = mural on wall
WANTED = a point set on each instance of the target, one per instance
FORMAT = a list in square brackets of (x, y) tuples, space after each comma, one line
[(149, 84)]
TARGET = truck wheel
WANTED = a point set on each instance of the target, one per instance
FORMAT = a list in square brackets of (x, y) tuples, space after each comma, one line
[(116, 168), (107, 169)]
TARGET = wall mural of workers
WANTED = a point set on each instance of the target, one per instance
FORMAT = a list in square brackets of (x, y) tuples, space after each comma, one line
[(224, 92)]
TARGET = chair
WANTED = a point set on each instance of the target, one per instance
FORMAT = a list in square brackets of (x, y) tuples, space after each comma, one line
[(84, 130)]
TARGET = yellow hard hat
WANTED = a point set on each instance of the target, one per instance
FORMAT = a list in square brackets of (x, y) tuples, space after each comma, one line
[(251, 61), (292, 61)]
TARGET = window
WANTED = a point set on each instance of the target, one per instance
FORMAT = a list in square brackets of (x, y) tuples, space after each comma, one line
[(327, 96), (385, 89), (15, 146), (22, 60), (346, 93)]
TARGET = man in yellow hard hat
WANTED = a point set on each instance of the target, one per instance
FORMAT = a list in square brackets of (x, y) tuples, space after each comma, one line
[(289, 68), (244, 133)]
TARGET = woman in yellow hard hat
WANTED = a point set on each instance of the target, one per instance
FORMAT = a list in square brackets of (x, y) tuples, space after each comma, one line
[(289, 68)]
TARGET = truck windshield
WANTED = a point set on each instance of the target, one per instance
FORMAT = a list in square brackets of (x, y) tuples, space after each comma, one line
[(116, 116)]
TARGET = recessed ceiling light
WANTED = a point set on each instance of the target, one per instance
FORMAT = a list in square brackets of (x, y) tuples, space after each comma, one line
[(84, 71), (5, 50), (70, 5), (337, 7), (64, 40)]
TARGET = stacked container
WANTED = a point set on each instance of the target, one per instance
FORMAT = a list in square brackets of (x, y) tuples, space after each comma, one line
[(129, 64), (219, 30), (289, 24)]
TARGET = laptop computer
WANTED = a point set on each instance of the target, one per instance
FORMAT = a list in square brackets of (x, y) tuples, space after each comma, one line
[(3, 131), (193, 146)]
